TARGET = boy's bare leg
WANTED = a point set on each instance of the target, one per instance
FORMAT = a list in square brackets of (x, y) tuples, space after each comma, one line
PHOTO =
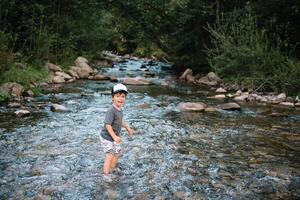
[(107, 163), (114, 161)]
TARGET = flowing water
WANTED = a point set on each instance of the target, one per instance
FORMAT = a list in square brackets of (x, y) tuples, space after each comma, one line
[(175, 155)]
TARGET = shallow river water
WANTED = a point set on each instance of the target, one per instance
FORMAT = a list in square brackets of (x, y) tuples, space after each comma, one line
[(175, 155)]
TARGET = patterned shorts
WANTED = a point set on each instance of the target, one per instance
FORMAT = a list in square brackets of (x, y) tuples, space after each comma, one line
[(109, 146)]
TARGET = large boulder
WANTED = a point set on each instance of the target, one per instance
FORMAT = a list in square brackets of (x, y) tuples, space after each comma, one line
[(189, 106), (211, 79), (186, 73), (82, 68), (14, 89), (205, 81), (135, 81), (230, 106)]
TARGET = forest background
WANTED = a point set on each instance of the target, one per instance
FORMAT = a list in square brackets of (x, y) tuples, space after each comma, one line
[(253, 42)]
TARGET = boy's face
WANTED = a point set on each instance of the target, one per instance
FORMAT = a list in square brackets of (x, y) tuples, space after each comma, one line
[(119, 99)]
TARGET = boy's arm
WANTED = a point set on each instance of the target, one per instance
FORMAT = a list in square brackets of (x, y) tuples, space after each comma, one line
[(126, 126), (110, 130)]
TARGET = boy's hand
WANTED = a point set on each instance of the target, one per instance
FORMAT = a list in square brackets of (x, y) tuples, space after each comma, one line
[(117, 139)]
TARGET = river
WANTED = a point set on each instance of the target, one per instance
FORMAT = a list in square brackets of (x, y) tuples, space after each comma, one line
[(243, 154)]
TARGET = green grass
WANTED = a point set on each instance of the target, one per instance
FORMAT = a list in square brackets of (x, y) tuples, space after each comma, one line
[(26, 77), (4, 96)]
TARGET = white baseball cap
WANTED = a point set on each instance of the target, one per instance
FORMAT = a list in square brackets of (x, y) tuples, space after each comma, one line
[(119, 88)]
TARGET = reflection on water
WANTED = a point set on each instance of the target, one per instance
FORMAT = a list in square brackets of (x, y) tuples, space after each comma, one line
[(175, 155)]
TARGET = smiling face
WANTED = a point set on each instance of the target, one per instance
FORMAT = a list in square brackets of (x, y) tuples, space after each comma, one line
[(119, 100)]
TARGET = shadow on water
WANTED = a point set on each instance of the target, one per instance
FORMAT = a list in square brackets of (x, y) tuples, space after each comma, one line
[(175, 155)]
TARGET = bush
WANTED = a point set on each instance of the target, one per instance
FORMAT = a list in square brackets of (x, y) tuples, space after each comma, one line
[(243, 51), (25, 77), (4, 96)]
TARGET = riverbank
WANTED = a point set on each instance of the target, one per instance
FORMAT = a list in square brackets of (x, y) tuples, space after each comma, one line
[(231, 95)]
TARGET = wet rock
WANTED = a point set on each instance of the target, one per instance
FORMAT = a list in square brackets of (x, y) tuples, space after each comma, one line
[(14, 89), (230, 95), (49, 190), (58, 79), (112, 194), (238, 93), (241, 98), (297, 104), (57, 108), (135, 81), (143, 106), (28, 99), (280, 98), (187, 72), (287, 104), (71, 80), (261, 99), (180, 195), (149, 74), (29, 93), (230, 106), (210, 109), (113, 79), (189, 106), (220, 96), (263, 186), (13, 105), (42, 197), (52, 67), (221, 90), (22, 113), (277, 114), (100, 76), (190, 79)]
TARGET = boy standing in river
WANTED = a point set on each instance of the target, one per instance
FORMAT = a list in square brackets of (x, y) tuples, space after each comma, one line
[(110, 134)]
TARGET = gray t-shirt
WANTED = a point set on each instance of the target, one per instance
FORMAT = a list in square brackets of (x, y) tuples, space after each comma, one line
[(113, 117)]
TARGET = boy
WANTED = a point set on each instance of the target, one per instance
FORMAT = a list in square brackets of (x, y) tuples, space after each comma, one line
[(110, 135)]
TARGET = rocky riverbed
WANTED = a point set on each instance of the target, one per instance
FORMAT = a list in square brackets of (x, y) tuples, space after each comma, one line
[(246, 153)]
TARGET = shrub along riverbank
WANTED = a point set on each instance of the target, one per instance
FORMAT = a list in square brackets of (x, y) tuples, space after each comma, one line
[(255, 44)]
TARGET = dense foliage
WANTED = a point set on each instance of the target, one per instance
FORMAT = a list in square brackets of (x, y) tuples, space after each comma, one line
[(203, 34)]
